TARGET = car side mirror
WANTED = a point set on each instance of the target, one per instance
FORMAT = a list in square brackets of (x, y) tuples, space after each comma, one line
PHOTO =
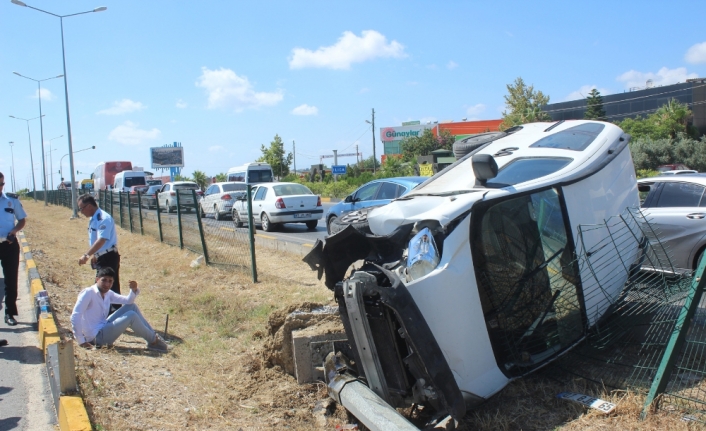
[(643, 187), (348, 199), (484, 167)]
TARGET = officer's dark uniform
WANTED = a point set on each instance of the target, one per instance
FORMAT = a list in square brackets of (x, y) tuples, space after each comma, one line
[(102, 225), (10, 210)]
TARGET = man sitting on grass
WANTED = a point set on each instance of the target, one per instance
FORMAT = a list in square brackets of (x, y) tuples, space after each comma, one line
[(91, 324)]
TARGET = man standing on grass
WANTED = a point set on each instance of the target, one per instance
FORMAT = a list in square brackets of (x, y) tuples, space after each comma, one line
[(10, 210), (102, 239), (91, 324)]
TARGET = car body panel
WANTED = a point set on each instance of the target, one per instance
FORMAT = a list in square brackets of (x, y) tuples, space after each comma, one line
[(149, 197)]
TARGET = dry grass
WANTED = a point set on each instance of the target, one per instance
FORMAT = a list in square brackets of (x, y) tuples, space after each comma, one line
[(216, 376)]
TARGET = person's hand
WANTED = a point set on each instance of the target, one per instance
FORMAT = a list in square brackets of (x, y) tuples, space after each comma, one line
[(82, 260), (133, 286)]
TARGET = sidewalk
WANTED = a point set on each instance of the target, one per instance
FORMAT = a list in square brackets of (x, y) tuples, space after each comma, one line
[(25, 399)]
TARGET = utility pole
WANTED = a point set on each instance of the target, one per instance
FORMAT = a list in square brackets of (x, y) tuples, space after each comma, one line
[(294, 152), (335, 163), (357, 162), (373, 124)]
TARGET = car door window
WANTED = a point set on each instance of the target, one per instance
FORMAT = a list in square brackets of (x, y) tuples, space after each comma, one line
[(366, 193), (677, 194), (387, 191), (260, 195), (211, 190)]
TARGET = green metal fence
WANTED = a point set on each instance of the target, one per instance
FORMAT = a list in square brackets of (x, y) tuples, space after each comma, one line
[(180, 225)]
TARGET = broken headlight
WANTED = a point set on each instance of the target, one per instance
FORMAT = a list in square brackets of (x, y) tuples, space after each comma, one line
[(422, 255)]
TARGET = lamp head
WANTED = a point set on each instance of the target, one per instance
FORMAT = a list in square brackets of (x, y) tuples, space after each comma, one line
[(100, 9), (18, 3)]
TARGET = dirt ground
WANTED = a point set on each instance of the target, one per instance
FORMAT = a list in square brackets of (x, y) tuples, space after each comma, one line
[(227, 367)]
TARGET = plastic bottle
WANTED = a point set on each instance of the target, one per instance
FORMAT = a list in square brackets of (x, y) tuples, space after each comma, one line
[(44, 308)]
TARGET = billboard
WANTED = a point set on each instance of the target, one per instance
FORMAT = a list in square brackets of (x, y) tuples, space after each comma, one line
[(389, 134), (167, 157)]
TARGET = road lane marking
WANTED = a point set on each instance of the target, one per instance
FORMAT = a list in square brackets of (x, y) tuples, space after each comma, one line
[(228, 229), (265, 236)]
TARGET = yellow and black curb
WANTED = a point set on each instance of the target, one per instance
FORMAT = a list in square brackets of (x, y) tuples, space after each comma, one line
[(58, 356)]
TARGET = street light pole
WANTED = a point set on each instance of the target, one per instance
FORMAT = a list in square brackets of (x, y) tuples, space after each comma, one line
[(74, 193), (34, 185), (41, 127), (51, 162), (12, 172), (61, 162), (373, 124)]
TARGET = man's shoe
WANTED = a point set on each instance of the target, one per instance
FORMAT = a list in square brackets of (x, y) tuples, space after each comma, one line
[(3, 343), (158, 345), (10, 320)]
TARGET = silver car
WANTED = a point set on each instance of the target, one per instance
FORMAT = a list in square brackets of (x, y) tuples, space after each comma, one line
[(219, 197), (167, 196), (675, 206)]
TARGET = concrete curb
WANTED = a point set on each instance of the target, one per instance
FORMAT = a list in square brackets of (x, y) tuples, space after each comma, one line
[(71, 410)]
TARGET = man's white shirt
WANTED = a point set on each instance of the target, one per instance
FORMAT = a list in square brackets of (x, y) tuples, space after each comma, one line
[(91, 311)]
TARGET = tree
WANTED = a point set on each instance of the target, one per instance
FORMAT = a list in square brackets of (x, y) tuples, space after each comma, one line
[(668, 122), (594, 106), (370, 162), (222, 177), (426, 143), (395, 167), (275, 157), (524, 105), (201, 179)]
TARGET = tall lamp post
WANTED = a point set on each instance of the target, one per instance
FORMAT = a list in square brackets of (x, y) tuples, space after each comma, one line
[(61, 162), (51, 162), (373, 124), (74, 204), (41, 127), (34, 185), (12, 172)]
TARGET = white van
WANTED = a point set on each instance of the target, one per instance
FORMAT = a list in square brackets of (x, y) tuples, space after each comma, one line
[(251, 173), (126, 179)]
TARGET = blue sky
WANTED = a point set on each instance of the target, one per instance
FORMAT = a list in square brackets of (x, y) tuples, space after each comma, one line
[(223, 77)]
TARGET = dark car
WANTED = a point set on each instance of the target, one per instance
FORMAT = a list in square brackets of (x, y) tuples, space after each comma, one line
[(149, 197)]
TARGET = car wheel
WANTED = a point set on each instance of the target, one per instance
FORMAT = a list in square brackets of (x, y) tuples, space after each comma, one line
[(216, 214), (169, 209), (328, 224), (465, 146), (201, 211), (236, 219), (311, 224), (266, 225), (358, 219)]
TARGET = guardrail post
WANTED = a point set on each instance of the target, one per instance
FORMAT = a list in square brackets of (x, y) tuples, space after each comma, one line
[(251, 235), (159, 218), (139, 211), (198, 219), (181, 235)]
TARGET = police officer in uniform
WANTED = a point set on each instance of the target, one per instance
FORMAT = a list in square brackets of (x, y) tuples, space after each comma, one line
[(102, 239), (10, 210)]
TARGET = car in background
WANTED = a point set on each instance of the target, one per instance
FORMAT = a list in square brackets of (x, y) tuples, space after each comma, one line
[(274, 204), (679, 172), (154, 182), (675, 207), (375, 193), (673, 167), (167, 196), (132, 192), (219, 197), (148, 198)]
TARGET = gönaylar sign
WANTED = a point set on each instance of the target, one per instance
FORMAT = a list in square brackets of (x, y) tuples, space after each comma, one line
[(167, 157), (388, 134)]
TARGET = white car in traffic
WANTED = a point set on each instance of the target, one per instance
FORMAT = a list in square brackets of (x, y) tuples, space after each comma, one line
[(167, 196), (218, 198), (274, 204)]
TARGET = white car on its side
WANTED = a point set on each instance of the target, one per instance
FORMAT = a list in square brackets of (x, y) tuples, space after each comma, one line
[(218, 198), (278, 203)]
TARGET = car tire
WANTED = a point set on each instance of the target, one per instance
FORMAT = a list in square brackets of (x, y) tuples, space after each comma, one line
[(465, 146), (311, 224), (217, 215), (357, 219), (328, 224), (169, 209), (203, 214), (267, 226), (236, 219)]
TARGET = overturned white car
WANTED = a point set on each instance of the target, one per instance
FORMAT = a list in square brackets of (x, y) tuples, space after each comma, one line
[(470, 280)]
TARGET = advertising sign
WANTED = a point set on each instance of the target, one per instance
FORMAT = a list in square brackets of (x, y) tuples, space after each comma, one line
[(167, 157), (388, 134)]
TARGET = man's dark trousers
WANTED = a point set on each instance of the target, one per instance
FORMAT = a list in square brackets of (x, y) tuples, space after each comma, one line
[(111, 260), (10, 260)]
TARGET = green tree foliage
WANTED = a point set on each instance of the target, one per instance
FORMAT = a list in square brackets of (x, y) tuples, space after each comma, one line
[(201, 179), (396, 167), (648, 153), (668, 122), (370, 162), (180, 177), (524, 105), (594, 106), (426, 143), (221, 178), (275, 156)]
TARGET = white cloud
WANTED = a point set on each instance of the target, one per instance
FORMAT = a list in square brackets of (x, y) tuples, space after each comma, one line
[(216, 148), (124, 106), (305, 110), (364, 90), (348, 50), (46, 94), (696, 54), (664, 76), (474, 110), (582, 92), (181, 104), (225, 89), (451, 65), (129, 134)]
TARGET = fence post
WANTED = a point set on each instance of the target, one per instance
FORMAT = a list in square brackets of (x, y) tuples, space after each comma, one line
[(676, 340), (129, 210), (139, 211), (251, 234), (159, 218), (198, 219), (181, 236), (120, 206)]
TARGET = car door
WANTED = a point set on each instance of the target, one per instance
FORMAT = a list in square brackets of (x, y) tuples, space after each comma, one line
[(209, 197), (162, 196), (242, 204), (362, 198), (259, 203), (676, 211)]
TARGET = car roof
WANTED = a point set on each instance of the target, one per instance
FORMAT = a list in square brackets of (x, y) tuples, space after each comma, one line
[(227, 182), (693, 178), (181, 182)]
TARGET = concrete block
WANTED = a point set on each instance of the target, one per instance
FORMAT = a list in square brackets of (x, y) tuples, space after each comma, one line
[(73, 415), (310, 352), (47, 331), (61, 370)]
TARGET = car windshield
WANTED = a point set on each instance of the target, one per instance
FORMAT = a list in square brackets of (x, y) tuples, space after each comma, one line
[(522, 170), (291, 189), (234, 187)]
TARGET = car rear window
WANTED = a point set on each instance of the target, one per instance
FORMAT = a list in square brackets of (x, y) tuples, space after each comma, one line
[(234, 187), (522, 170), (134, 181), (576, 138), (186, 186), (291, 189)]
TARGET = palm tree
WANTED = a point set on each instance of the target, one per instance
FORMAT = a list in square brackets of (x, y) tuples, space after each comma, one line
[(201, 179)]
